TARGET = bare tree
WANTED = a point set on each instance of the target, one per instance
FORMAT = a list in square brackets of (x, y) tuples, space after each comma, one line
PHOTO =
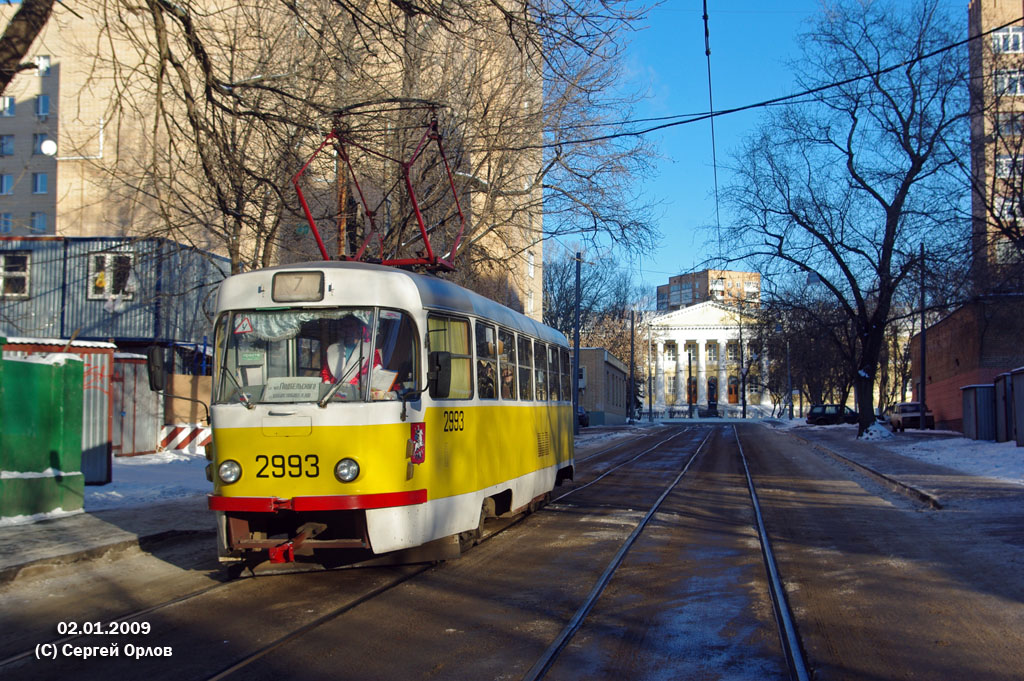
[(224, 104), (18, 36), (848, 183)]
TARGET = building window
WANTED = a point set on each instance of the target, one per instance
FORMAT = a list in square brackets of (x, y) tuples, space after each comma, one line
[(732, 351), (1009, 82), (7, 106), (6, 184), (529, 301), (530, 263), (43, 64), (1008, 208), (38, 224), (14, 274), (1008, 39), (42, 106), (6, 145), (1007, 252), (712, 352), (37, 142), (1009, 124), (6, 223), (1007, 166), (39, 182), (110, 274)]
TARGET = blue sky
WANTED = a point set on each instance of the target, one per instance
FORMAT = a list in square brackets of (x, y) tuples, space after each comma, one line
[(751, 43)]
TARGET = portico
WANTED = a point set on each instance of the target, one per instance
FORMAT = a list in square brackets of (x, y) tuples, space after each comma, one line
[(700, 350)]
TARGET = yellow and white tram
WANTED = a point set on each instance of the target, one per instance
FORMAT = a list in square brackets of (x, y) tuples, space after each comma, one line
[(367, 408)]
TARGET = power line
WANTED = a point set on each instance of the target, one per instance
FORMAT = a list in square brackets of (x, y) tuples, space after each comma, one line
[(696, 118), (711, 107)]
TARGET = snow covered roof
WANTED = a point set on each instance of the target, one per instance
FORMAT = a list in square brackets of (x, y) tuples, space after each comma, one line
[(20, 340)]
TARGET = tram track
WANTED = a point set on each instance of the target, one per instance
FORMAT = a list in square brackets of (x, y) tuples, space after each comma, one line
[(137, 615), (256, 655), (788, 636), (353, 601)]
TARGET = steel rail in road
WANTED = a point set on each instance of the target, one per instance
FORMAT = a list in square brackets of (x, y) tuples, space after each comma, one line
[(616, 445), (783, 615), (384, 588), (541, 667), (624, 463)]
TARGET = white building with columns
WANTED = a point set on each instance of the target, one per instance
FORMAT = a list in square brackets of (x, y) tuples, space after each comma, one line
[(704, 347)]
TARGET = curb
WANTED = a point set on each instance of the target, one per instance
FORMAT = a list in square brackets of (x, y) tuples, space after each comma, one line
[(144, 543), (895, 485)]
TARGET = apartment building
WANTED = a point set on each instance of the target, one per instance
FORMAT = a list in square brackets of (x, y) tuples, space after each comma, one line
[(66, 142), (997, 142), (721, 286)]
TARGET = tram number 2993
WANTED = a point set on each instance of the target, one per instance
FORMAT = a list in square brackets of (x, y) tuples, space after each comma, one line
[(454, 421), (292, 466)]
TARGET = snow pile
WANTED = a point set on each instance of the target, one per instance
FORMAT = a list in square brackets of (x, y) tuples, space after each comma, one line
[(141, 480), (876, 431)]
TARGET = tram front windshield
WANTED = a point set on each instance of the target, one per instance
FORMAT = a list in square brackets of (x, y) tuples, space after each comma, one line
[(314, 355)]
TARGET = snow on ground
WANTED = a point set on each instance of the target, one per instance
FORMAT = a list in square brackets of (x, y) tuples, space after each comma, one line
[(999, 460), (142, 480)]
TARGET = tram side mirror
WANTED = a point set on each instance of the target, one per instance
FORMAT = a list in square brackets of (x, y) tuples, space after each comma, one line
[(155, 368), (439, 373)]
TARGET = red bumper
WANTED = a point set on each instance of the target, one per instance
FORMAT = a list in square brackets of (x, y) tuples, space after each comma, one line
[(326, 503)]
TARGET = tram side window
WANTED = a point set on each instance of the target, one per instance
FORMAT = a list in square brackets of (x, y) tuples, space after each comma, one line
[(396, 373), (525, 368), (452, 335), (553, 373), (566, 375), (540, 354), (486, 362), (507, 363)]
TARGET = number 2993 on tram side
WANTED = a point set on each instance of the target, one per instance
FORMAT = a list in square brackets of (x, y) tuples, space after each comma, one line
[(361, 410)]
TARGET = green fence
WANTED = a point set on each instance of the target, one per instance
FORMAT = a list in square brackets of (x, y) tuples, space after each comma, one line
[(41, 435)]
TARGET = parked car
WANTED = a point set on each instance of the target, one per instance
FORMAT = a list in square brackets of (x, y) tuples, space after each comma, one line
[(908, 415), (583, 417), (830, 414)]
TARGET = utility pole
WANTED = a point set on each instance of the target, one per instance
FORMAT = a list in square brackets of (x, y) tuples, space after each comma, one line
[(576, 355), (632, 384), (650, 381), (924, 374), (789, 382)]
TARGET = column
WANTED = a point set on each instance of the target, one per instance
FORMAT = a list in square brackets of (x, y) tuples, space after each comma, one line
[(702, 383), (680, 374), (659, 374), (723, 375)]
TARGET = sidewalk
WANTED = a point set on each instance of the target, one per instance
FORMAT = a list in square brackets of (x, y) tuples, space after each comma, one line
[(950, 487), (85, 536)]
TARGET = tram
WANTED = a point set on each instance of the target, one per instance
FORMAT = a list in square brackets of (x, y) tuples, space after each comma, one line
[(361, 410)]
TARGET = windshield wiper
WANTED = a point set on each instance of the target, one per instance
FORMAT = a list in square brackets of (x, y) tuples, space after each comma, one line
[(242, 397)]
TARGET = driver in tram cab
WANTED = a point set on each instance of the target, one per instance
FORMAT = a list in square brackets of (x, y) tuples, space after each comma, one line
[(341, 358)]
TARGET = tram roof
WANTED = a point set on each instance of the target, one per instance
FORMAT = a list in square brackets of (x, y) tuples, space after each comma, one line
[(382, 285)]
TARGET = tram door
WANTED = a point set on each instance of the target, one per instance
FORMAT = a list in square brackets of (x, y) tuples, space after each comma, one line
[(734, 390)]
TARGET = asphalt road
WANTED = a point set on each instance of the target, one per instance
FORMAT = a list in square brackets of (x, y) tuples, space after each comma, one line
[(880, 588)]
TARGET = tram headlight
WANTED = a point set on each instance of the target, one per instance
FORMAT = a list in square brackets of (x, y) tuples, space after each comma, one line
[(229, 471), (346, 470)]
